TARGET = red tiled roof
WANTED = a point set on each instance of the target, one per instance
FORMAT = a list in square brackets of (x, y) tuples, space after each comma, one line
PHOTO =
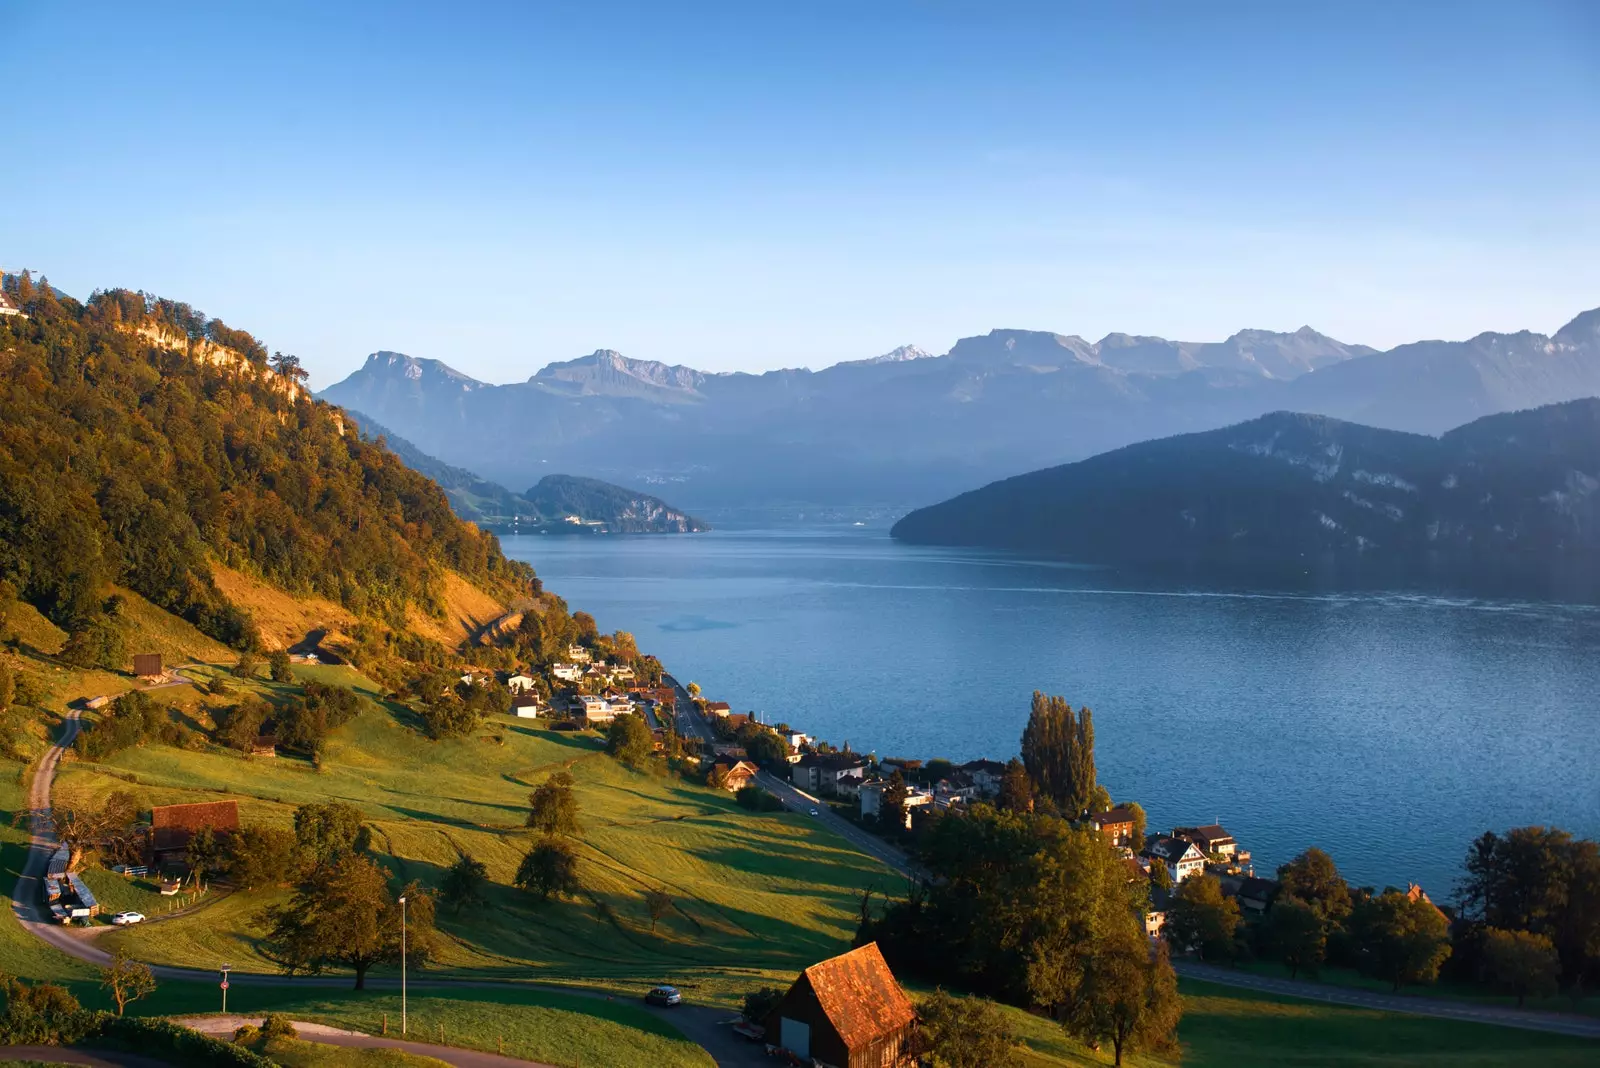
[(218, 815), (860, 996)]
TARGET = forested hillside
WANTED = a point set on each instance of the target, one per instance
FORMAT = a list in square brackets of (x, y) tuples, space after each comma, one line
[(141, 441)]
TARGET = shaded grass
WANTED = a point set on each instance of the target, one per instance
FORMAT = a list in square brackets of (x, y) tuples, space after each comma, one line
[(300, 1053), (1460, 991)]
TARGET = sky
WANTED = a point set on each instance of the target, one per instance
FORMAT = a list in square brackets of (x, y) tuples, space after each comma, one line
[(757, 185)]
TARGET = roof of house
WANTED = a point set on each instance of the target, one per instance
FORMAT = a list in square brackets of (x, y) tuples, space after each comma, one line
[(860, 995), (7, 302), (172, 826), (737, 720), (1168, 848), (525, 702), (718, 706), (993, 767), (1119, 814), (1210, 833), (1135, 869)]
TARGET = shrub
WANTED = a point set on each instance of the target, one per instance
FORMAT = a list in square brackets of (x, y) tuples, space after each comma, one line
[(757, 799)]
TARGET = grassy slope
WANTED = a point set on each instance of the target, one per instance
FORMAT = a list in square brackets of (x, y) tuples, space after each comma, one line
[(758, 897)]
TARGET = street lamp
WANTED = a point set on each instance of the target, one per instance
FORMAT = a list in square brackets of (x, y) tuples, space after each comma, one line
[(402, 965), (226, 968)]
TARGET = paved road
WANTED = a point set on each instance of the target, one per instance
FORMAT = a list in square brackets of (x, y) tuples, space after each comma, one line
[(797, 800), (691, 724), (1414, 1004)]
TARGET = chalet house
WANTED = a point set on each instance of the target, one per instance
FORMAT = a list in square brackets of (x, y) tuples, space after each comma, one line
[(172, 826), (823, 772), (985, 774), (567, 672), (622, 672), (718, 708), (578, 654), (741, 773), (1212, 840), (526, 707), (1182, 857), (147, 665), (8, 305), (1116, 824), (847, 1012), (519, 683), (265, 745)]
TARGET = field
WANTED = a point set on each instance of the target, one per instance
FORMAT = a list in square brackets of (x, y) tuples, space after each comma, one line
[(756, 898)]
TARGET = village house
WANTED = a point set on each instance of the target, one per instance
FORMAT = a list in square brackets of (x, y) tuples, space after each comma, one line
[(795, 739), (889, 765), (846, 1012), (1116, 824), (728, 749), (519, 683), (526, 707), (8, 305), (595, 709), (1212, 840), (173, 826), (741, 773), (718, 708), (1181, 856), (567, 672), (985, 775), (822, 772), (735, 720), (1253, 895), (578, 654), (871, 797), (621, 672)]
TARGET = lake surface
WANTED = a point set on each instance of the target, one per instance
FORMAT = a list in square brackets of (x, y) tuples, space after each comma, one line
[(1389, 729)]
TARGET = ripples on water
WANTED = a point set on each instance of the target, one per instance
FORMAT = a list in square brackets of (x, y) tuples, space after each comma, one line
[(1389, 728)]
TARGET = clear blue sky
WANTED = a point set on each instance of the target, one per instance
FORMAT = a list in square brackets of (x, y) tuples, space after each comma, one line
[(753, 185)]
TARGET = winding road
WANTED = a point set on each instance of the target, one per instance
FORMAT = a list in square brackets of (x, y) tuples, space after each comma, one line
[(705, 1025)]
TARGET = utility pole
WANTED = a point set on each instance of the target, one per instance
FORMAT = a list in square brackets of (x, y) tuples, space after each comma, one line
[(402, 965)]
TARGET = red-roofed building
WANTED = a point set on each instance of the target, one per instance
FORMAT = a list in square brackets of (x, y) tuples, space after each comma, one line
[(847, 1012), (171, 826)]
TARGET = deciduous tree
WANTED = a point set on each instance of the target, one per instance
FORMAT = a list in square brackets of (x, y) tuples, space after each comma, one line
[(553, 807), (657, 903), (329, 831), (1128, 997), (464, 883), (1313, 878), (1400, 938), (345, 915), (1298, 934), (1520, 962), (1201, 917), (630, 741), (966, 1032), (550, 869), (126, 980)]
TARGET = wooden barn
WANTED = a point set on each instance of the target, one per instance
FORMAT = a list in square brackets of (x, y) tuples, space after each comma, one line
[(847, 1012), (171, 826), (148, 665)]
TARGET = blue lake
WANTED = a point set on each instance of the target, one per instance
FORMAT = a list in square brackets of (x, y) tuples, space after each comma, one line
[(1387, 728)]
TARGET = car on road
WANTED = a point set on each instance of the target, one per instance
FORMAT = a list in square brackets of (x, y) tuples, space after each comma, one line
[(123, 919), (814, 812), (664, 995)]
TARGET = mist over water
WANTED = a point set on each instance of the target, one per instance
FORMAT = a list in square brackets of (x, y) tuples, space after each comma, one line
[(1389, 728)]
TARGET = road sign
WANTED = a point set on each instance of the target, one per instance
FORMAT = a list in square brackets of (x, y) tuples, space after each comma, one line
[(224, 984)]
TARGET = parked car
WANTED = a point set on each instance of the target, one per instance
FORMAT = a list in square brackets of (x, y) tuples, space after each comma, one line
[(123, 919), (664, 995)]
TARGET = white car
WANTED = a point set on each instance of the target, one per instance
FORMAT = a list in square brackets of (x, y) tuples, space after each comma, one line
[(814, 812), (123, 919)]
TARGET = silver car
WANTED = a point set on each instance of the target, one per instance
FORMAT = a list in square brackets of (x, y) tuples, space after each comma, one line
[(123, 919)]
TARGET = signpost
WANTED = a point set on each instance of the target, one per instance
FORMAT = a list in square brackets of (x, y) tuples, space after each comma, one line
[(226, 968), (402, 965)]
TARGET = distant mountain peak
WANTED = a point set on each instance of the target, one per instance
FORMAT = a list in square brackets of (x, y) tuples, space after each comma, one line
[(1583, 330), (903, 354), (416, 368)]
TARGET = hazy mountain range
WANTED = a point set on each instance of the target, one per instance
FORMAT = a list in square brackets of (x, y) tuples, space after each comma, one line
[(549, 503), (1513, 496), (911, 427)]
